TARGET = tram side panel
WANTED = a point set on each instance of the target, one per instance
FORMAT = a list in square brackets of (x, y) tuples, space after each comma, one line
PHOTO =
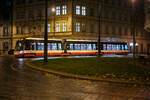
[(32, 48)]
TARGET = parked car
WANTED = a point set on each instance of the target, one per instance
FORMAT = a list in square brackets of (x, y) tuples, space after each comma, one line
[(11, 52)]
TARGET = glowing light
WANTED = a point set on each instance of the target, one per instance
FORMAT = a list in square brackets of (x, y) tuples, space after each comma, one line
[(132, 1), (131, 44), (53, 9), (20, 52)]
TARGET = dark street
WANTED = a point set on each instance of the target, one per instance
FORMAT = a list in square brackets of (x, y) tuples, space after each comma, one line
[(22, 83)]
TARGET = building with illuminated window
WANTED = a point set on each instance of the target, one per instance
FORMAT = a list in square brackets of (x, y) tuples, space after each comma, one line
[(5, 26), (79, 20)]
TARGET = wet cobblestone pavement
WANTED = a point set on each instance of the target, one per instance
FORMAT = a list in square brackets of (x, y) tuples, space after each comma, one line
[(23, 83)]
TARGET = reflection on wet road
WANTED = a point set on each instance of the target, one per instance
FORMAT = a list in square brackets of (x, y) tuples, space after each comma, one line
[(21, 83)]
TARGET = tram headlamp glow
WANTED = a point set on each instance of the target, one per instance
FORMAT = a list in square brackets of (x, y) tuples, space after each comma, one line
[(136, 44), (20, 52)]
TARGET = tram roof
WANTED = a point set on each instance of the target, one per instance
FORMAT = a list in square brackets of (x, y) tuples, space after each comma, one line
[(40, 39), (71, 40)]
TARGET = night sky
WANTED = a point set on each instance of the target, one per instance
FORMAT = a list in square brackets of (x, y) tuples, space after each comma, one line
[(5, 9)]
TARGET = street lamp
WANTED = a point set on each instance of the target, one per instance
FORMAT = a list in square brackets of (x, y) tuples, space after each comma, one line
[(45, 34), (99, 31), (11, 18), (53, 10), (133, 27)]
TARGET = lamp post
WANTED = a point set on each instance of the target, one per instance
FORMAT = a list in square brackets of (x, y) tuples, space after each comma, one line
[(99, 31), (45, 34), (11, 18), (133, 26), (53, 10)]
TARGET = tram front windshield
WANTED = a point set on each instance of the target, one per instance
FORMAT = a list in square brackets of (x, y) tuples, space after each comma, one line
[(19, 46)]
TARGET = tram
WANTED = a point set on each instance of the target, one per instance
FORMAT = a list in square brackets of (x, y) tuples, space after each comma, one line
[(34, 47)]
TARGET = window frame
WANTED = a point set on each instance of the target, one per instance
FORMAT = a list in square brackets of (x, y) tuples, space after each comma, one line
[(57, 10), (78, 9), (78, 27), (64, 9)]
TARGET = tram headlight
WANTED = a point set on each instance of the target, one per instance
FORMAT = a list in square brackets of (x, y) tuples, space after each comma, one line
[(20, 52)]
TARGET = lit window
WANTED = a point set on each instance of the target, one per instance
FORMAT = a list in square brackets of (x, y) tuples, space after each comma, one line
[(64, 27), (77, 27), (57, 27), (78, 10), (57, 10), (49, 28), (64, 9), (83, 10)]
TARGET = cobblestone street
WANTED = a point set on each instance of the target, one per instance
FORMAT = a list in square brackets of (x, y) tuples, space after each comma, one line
[(22, 83)]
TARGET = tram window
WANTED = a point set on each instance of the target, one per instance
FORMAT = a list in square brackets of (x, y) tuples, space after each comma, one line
[(77, 46), (118, 47), (122, 47), (54, 46), (108, 46), (19, 46), (34, 46), (104, 47), (94, 46), (27, 45), (59, 46), (49, 46), (71, 46), (40, 46), (114, 47), (89, 47), (126, 47), (83, 47)]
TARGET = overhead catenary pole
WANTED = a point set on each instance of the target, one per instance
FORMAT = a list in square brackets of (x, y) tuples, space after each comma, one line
[(99, 30), (45, 33), (11, 18), (133, 27)]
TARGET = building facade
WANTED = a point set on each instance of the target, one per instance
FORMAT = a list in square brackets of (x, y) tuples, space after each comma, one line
[(5, 27), (147, 15), (79, 19), (5, 36)]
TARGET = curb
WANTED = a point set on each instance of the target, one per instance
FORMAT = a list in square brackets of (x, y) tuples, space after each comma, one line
[(83, 77)]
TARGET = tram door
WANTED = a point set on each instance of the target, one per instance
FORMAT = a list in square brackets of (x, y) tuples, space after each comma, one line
[(136, 49), (131, 49)]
